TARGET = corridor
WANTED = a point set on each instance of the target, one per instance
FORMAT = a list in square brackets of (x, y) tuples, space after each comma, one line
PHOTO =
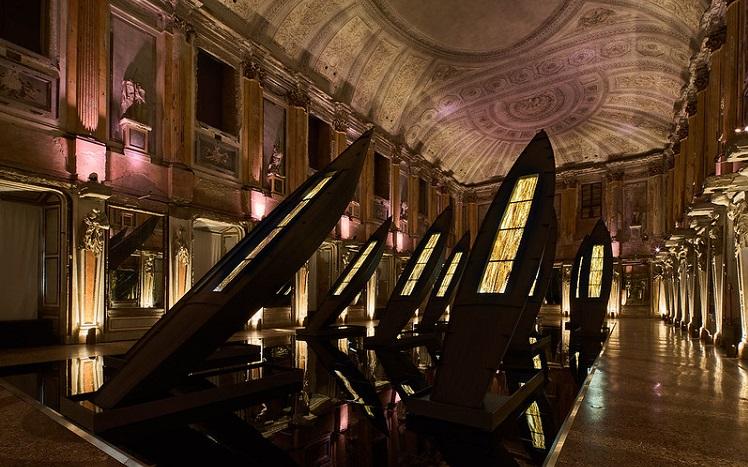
[(657, 397)]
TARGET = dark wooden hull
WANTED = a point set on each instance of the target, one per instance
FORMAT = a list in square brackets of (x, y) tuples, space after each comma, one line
[(401, 308), (437, 305), (233, 290), (481, 324), (588, 312), (332, 305)]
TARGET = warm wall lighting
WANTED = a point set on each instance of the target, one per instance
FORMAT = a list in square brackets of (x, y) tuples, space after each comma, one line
[(259, 205)]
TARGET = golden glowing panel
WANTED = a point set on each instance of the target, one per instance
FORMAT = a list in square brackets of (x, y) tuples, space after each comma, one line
[(596, 271), (447, 279), (509, 236), (423, 258), (274, 233), (356, 266), (535, 424)]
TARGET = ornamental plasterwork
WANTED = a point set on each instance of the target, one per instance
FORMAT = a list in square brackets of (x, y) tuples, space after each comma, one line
[(94, 225), (472, 111), (182, 250)]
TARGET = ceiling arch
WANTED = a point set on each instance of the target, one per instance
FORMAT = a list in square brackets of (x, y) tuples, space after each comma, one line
[(468, 87)]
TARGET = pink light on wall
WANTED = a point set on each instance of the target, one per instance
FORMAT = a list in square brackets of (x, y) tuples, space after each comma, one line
[(345, 227), (400, 246), (259, 205), (616, 246)]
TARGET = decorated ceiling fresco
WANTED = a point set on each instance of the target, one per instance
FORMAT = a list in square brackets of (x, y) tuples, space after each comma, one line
[(467, 84)]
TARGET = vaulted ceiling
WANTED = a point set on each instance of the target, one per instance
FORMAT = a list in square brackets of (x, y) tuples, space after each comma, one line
[(467, 83)]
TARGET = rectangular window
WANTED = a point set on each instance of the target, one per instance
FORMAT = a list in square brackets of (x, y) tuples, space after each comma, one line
[(596, 271), (274, 233), (449, 275), (216, 93), (356, 266), (24, 23), (592, 199), (505, 245), (381, 176), (423, 258)]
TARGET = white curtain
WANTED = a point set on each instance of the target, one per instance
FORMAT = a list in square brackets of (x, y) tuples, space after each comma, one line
[(20, 230), (207, 249)]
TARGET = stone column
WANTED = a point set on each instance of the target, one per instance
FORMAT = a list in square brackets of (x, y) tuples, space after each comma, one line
[(614, 212), (459, 229), (655, 201), (413, 207), (252, 122), (297, 162), (702, 285), (340, 130), (433, 199), (741, 255), (472, 215), (395, 201), (569, 210), (180, 263), (694, 308), (366, 192), (91, 226), (87, 78), (717, 265), (565, 289)]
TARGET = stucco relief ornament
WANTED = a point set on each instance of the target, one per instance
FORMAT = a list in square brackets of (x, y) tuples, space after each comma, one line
[(182, 251), (94, 225)]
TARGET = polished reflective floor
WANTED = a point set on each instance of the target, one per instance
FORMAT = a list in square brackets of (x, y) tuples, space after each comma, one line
[(323, 424), (660, 398)]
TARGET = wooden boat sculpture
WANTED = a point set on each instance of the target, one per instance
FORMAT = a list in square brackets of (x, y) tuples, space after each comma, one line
[(446, 285), (501, 269), (414, 283), (348, 284), (591, 281), (320, 331), (411, 289), (157, 380)]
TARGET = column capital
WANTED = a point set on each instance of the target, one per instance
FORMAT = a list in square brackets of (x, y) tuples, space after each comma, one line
[(298, 96), (340, 118), (253, 69)]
